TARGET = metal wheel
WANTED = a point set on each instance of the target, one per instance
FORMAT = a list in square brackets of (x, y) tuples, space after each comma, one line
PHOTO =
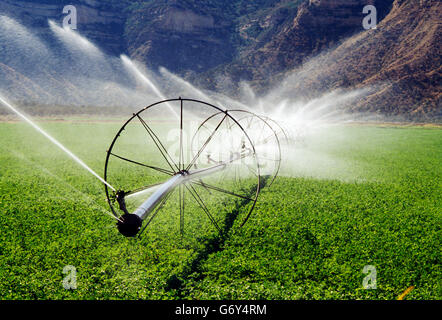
[(151, 151), (265, 139)]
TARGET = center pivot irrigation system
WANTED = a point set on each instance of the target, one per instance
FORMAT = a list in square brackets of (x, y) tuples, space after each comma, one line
[(210, 158)]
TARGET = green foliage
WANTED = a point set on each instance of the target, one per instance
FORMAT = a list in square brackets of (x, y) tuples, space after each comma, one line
[(312, 238), (309, 238)]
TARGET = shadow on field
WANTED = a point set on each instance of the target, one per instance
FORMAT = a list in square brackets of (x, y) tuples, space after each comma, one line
[(212, 244)]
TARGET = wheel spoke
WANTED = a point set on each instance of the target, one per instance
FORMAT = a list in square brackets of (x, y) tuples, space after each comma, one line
[(264, 141), (181, 160), (240, 157), (250, 122), (200, 202), (162, 203), (170, 173), (181, 209), (203, 184), (206, 143), (208, 186), (261, 131), (251, 170), (269, 159), (159, 145)]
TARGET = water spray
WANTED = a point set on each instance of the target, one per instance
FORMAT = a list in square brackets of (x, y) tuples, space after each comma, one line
[(223, 149), (54, 141), (236, 158), (139, 75)]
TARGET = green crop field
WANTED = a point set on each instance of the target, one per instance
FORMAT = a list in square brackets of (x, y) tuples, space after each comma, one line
[(372, 198)]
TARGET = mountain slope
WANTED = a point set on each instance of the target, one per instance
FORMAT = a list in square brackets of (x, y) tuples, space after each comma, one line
[(323, 47), (316, 25), (401, 60), (100, 21), (180, 35), (315, 45)]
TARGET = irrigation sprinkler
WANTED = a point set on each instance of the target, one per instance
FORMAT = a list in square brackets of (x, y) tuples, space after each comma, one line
[(206, 154), (130, 224), (264, 134)]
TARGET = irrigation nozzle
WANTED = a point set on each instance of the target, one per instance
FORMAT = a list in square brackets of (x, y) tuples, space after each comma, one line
[(129, 225)]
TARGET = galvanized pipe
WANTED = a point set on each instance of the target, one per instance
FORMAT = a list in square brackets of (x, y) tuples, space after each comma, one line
[(163, 190)]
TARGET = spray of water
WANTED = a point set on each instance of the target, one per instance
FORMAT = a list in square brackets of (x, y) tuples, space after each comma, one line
[(54, 141), (46, 171), (310, 135), (74, 40), (76, 72), (144, 79), (185, 85)]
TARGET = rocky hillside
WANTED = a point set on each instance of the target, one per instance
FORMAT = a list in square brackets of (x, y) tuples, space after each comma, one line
[(400, 60), (321, 43), (100, 21), (321, 46), (291, 34), (181, 35)]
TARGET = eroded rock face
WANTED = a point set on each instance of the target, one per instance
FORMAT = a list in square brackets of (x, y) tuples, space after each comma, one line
[(315, 26), (326, 45), (186, 21), (265, 39), (179, 38), (400, 59), (102, 24)]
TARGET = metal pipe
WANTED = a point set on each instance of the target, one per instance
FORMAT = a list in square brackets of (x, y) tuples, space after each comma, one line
[(130, 223), (163, 190)]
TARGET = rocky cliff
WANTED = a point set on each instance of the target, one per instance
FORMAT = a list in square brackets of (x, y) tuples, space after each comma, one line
[(401, 60), (180, 36), (317, 25), (326, 46), (100, 21), (321, 43)]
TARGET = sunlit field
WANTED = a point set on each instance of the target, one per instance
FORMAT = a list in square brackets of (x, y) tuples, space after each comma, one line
[(310, 236)]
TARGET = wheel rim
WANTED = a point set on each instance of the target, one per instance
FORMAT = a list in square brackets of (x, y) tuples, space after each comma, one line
[(172, 164)]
